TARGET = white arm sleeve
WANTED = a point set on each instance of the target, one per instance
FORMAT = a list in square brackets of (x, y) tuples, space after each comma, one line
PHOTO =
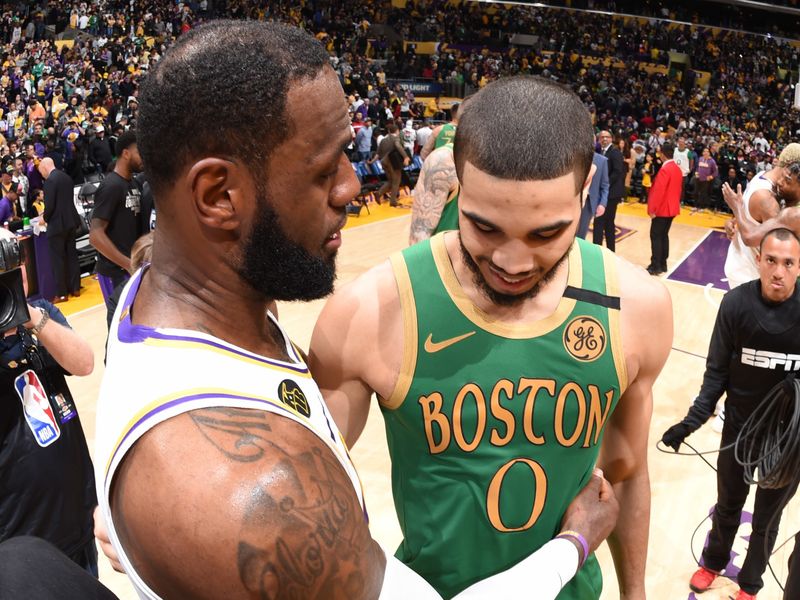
[(540, 576), (401, 583)]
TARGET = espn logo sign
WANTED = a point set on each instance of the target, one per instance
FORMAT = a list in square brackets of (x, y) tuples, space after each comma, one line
[(763, 359)]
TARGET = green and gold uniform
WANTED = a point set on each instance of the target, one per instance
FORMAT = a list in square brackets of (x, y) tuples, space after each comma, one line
[(449, 218), (493, 429), (446, 135)]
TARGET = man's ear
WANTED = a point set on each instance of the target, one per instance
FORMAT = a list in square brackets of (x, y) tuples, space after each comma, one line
[(588, 182), (221, 190)]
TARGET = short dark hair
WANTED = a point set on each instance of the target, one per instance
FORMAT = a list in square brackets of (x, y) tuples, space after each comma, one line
[(525, 128), (779, 233), (454, 109), (124, 141), (667, 149), (221, 89)]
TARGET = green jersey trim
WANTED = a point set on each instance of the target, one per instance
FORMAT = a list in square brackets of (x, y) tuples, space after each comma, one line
[(615, 330), (409, 311)]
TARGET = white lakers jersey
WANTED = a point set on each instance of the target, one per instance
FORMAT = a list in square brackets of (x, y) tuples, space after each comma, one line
[(740, 265), (155, 374)]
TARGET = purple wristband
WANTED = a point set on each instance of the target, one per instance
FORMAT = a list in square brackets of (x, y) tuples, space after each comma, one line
[(581, 540)]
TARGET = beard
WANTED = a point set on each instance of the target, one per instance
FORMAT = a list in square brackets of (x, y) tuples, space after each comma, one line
[(500, 298), (280, 268)]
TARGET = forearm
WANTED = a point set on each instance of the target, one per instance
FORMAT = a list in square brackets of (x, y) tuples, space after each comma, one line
[(628, 542), (548, 570), (103, 244), (66, 347)]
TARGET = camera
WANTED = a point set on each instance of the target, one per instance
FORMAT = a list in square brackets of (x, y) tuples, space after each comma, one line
[(13, 304)]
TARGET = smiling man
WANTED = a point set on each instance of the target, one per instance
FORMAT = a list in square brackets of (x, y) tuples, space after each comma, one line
[(506, 356), (751, 350), (221, 473)]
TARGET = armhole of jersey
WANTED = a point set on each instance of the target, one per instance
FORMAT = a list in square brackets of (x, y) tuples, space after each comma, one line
[(453, 195), (410, 341), (615, 333)]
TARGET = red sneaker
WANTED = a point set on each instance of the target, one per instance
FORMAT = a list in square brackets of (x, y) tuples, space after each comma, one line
[(742, 595), (702, 579)]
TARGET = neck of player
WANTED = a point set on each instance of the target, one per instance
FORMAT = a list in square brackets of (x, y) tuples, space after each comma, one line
[(204, 295)]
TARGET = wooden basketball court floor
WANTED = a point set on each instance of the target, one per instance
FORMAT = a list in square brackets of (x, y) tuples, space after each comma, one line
[(683, 487)]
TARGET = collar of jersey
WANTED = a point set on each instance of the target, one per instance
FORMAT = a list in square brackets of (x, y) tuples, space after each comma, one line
[(129, 333)]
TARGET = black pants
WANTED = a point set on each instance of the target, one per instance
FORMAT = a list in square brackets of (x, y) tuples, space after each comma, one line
[(33, 568), (605, 227), (659, 242), (702, 191), (731, 495), (792, 589), (64, 259)]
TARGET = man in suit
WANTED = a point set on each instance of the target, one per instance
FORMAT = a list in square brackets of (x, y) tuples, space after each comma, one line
[(604, 225), (596, 201), (62, 221)]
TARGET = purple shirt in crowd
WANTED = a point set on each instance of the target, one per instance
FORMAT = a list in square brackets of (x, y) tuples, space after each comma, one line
[(706, 167), (6, 210)]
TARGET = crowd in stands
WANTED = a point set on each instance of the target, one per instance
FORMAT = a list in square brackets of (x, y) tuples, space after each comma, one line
[(70, 100)]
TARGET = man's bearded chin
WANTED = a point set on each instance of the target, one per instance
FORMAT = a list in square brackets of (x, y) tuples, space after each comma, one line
[(508, 299)]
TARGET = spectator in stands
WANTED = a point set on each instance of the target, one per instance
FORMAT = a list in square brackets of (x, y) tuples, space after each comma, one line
[(707, 172), (363, 140), (116, 219), (423, 134), (100, 154)]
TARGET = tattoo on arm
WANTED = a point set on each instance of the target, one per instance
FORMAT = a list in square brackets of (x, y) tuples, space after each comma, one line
[(437, 180), (303, 532), (238, 433)]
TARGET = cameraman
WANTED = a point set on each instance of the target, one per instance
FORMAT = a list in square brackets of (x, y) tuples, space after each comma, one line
[(758, 322), (46, 483)]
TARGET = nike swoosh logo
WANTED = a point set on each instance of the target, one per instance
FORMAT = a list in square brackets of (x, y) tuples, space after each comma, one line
[(432, 347)]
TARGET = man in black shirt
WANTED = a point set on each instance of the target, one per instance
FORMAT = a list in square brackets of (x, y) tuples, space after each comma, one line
[(753, 347), (47, 485), (100, 150), (116, 220), (62, 221)]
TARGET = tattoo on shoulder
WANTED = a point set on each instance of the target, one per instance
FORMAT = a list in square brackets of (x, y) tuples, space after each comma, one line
[(236, 432), (323, 537), (303, 532)]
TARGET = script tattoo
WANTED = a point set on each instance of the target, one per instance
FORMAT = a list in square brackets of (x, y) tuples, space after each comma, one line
[(237, 433), (303, 531), (436, 180)]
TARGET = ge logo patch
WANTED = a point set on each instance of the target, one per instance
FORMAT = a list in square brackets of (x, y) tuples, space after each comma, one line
[(585, 339), (293, 397)]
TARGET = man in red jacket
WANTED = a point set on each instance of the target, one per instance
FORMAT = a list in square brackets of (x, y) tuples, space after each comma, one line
[(663, 204)]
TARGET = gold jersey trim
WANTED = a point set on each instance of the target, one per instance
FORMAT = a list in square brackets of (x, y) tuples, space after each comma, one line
[(615, 330), (410, 342), (480, 318)]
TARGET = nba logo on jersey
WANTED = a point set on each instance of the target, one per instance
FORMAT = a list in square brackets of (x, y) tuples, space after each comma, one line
[(36, 407)]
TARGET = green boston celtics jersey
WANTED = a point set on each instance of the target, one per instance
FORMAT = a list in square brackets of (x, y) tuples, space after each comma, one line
[(446, 135), (493, 429), (449, 219)]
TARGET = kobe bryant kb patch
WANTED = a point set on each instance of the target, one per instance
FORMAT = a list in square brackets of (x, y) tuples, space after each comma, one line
[(293, 397)]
